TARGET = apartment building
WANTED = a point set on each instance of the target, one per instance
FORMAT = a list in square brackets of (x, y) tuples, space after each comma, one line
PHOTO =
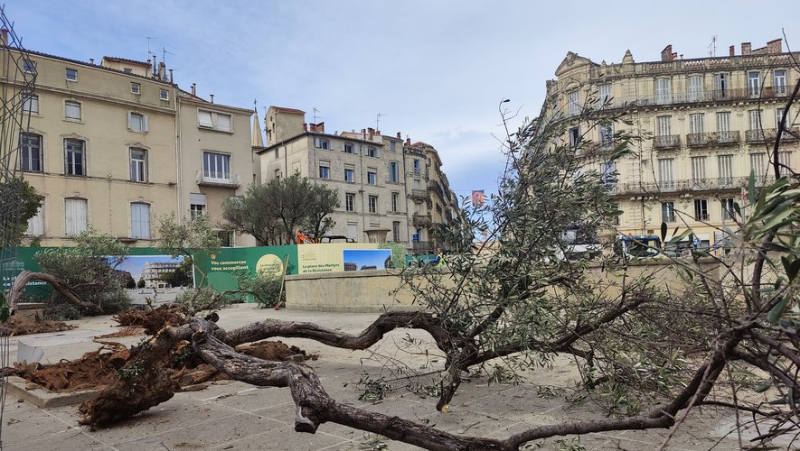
[(707, 123), (380, 184), (117, 145)]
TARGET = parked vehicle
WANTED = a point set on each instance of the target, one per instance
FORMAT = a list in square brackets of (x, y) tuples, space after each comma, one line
[(581, 243), (639, 246)]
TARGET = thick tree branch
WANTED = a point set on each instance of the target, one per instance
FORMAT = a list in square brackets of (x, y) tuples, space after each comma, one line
[(18, 289)]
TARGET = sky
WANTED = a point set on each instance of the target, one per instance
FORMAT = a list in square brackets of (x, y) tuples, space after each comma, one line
[(434, 70)]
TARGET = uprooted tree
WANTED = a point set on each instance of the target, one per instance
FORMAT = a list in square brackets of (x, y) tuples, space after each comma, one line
[(522, 304)]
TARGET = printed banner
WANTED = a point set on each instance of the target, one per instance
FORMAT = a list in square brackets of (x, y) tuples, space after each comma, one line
[(478, 198)]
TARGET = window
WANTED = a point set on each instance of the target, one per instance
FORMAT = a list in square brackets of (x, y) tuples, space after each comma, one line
[(30, 147), (349, 175), (372, 152), (695, 88), (664, 125), (321, 143), (216, 166), (349, 202), (754, 84), (392, 146), (225, 238), (136, 88), (701, 210), (74, 157), (324, 172), (214, 121), (138, 165), (779, 81), (395, 202), (197, 205), (728, 210), (608, 173), (784, 158), (665, 174), (721, 86), (396, 231), (604, 94), (755, 119), (372, 177), (667, 212), (574, 136), (725, 163), (164, 94), (696, 123), (663, 91), (758, 165), (72, 74), (606, 135), (778, 116), (36, 223), (29, 66), (348, 148), (72, 110), (128, 70), (373, 204), (140, 220), (352, 230), (573, 107), (76, 216), (417, 167), (698, 172), (30, 103), (137, 122), (394, 172), (724, 134)]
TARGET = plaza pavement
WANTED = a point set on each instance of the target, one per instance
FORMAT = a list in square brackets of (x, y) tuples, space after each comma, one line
[(236, 416)]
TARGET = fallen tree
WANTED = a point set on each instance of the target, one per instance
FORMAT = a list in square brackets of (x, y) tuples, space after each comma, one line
[(517, 307)]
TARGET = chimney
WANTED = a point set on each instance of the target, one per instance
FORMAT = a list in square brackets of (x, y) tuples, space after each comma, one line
[(91, 60), (364, 134), (170, 75), (666, 54), (305, 127), (4, 36), (774, 47), (398, 136), (155, 66), (408, 141), (746, 48), (371, 133), (321, 127), (162, 71), (732, 51), (194, 89), (211, 96)]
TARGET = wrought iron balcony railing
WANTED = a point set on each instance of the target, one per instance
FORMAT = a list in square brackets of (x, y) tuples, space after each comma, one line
[(684, 186), (667, 141), (712, 139)]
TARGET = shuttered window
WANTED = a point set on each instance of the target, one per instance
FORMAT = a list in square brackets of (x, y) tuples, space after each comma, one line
[(75, 216), (140, 220)]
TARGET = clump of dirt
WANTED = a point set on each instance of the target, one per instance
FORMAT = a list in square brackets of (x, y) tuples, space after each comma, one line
[(152, 320), (94, 369), (275, 351), (23, 325)]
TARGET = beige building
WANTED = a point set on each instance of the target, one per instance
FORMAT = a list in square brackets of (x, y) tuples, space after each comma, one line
[(707, 122), (373, 174), (115, 146)]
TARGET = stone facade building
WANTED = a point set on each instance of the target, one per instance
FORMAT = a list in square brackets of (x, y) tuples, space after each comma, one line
[(707, 123), (380, 183), (117, 145)]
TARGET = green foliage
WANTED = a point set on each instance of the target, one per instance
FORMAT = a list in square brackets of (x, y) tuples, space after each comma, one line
[(273, 212), (265, 288), (373, 390), (195, 234), (203, 298), (182, 276), (20, 203), (89, 269), (140, 283)]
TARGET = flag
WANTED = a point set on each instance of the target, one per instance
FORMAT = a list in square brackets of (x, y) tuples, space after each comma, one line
[(478, 198)]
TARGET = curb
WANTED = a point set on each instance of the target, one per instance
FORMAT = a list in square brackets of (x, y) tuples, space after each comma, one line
[(41, 397)]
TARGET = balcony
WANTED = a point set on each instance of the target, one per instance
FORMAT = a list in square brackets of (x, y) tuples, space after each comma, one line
[(687, 186), (716, 95), (769, 134), (221, 179), (421, 220), (718, 139), (667, 142), (419, 194)]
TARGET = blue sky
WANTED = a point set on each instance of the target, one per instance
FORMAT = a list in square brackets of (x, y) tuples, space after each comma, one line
[(435, 70), (134, 264)]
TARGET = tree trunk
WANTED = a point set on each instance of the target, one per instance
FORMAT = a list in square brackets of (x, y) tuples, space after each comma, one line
[(18, 289)]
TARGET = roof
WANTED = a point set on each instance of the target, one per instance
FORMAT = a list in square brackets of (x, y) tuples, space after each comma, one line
[(193, 98), (287, 110), (125, 60)]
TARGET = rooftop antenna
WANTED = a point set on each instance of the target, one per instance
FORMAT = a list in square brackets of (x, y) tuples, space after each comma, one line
[(378, 121), (315, 114), (712, 48), (164, 54), (149, 53)]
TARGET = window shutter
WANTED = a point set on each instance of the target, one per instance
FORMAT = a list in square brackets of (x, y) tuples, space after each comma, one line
[(223, 122), (145, 123), (204, 118), (75, 216)]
